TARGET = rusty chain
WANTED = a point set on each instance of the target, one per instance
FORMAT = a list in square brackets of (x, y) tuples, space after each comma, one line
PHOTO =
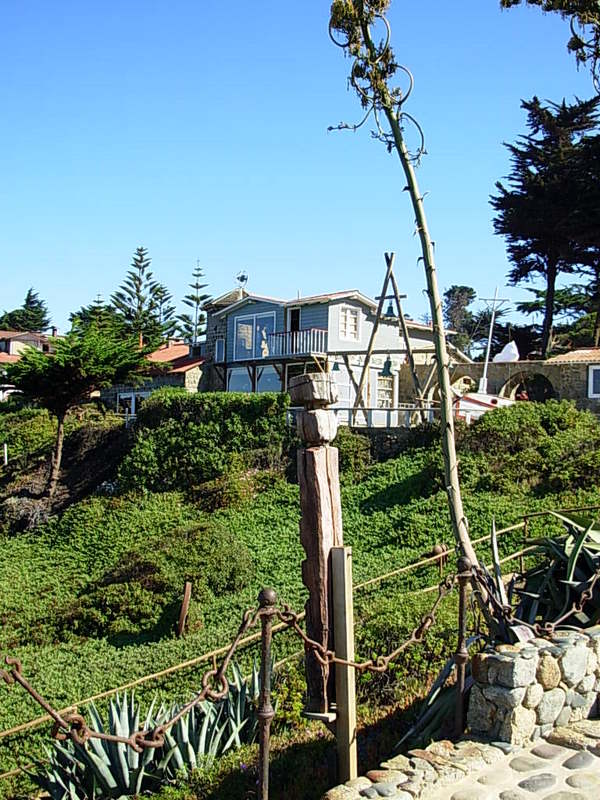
[(73, 726), (214, 681), (380, 664), (507, 612)]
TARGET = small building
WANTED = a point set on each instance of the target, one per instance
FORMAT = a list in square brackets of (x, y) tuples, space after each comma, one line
[(172, 364), (12, 346)]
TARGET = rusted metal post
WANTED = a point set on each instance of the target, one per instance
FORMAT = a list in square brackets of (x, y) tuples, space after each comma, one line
[(320, 521), (267, 599), (461, 656)]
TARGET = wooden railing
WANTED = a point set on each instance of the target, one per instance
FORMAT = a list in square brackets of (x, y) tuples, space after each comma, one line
[(297, 343)]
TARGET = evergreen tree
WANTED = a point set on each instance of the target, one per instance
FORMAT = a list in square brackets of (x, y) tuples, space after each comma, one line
[(165, 311), (97, 313), (137, 301), (192, 326), (31, 316), (539, 212), (457, 316), (81, 362)]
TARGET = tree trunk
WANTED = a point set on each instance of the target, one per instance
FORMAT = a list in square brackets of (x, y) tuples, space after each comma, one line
[(551, 273), (56, 455)]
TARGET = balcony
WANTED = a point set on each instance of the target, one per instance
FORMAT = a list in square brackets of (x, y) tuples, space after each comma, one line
[(312, 341)]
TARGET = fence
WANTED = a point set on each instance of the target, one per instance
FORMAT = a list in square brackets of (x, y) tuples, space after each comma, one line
[(68, 723)]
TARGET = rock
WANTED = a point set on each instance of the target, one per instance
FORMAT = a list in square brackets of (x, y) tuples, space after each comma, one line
[(592, 661), (518, 726), (479, 667), (580, 760), (342, 793), (533, 695), (512, 671), (573, 664), (506, 747), (369, 792), (444, 748), (385, 789), (584, 780), (504, 698), (589, 727), (525, 763), (512, 794), (565, 796), (563, 718), (538, 783), (470, 793), (586, 684), (550, 706), (481, 715), (548, 671), (358, 783), (548, 751), (568, 737), (397, 762), (498, 778)]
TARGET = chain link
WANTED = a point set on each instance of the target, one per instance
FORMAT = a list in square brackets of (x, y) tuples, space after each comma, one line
[(215, 685)]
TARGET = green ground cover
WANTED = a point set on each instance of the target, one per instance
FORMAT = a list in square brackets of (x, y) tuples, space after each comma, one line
[(89, 600)]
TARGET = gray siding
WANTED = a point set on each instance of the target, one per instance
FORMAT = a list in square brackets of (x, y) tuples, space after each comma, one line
[(314, 316), (250, 308)]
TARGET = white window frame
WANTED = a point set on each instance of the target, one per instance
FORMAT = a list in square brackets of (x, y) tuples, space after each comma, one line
[(592, 369), (354, 310), (253, 317), (219, 340)]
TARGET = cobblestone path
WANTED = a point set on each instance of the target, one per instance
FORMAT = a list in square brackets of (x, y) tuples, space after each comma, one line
[(565, 766)]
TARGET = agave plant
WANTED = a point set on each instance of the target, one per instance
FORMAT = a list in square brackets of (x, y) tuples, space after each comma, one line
[(547, 591), (101, 769)]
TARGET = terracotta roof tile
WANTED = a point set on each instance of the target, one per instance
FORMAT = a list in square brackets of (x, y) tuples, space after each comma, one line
[(586, 355)]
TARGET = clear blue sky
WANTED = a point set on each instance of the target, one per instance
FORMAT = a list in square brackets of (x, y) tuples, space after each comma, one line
[(199, 130)]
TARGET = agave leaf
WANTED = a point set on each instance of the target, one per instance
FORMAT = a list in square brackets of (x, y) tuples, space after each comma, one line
[(497, 567), (574, 555), (577, 521)]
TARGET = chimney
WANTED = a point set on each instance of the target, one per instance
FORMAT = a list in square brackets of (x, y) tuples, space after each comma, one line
[(53, 331)]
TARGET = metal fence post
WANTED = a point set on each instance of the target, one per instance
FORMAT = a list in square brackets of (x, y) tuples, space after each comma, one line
[(461, 656), (267, 599)]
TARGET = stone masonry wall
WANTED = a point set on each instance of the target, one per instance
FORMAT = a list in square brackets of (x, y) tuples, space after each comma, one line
[(521, 692)]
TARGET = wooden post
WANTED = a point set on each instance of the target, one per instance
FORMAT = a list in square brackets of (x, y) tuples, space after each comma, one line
[(320, 521), (345, 679)]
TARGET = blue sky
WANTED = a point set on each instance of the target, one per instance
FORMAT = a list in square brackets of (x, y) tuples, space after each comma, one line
[(199, 130)]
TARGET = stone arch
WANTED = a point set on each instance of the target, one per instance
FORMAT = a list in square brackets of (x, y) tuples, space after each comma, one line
[(460, 383), (527, 385)]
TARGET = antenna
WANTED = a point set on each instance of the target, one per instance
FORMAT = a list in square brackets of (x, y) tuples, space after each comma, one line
[(242, 278)]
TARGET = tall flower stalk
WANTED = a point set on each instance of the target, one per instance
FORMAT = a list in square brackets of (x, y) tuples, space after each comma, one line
[(351, 27)]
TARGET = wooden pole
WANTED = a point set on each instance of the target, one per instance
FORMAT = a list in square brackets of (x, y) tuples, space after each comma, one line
[(345, 679), (320, 520)]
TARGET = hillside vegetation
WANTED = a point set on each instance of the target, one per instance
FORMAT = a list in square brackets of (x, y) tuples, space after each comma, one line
[(89, 600)]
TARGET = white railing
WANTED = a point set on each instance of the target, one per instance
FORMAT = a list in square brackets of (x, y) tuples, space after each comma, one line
[(404, 415), (297, 343)]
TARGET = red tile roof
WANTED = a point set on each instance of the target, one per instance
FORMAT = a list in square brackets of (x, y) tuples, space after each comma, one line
[(6, 358), (586, 355), (177, 356)]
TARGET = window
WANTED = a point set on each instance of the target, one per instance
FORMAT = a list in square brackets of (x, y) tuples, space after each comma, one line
[(267, 380), (594, 381), (385, 391), (349, 323), (239, 380), (219, 350), (252, 336)]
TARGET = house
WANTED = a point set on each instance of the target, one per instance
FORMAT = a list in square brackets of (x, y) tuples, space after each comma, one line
[(12, 346), (257, 343), (172, 364)]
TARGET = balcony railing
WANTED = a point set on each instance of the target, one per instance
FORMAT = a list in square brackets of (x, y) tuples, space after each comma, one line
[(297, 343)]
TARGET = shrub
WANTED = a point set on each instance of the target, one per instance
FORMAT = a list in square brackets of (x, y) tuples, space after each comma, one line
[(183, 440), (354, 454)]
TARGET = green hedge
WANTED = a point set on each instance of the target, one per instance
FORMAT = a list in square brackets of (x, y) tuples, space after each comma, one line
[(183, 440)]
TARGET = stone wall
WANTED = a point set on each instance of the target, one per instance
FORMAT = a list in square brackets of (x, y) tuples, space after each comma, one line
[(521, 692)]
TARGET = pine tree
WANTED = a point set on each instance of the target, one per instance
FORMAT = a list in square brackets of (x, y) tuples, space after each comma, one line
[(31, 316), (137, 301), (457, 315), (97, 313), (165, 311), (541, 210), (192, 326)]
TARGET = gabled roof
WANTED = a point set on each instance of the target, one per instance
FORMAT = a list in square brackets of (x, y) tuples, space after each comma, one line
[(17, 334), (585, 355), (347, 294), (249, 298), (177, 356)]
